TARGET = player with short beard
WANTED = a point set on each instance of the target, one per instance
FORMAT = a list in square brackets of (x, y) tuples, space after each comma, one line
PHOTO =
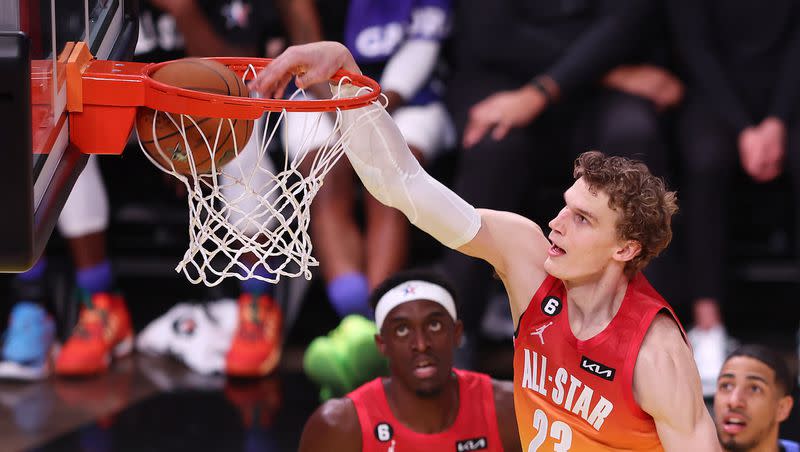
[(753, 397)]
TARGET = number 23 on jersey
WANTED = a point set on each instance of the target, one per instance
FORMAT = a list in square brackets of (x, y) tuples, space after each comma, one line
[(559, 431)]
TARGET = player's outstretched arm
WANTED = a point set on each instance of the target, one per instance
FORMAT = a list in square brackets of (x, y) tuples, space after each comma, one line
[(667, 386), (380, 156), (333, 426), (514, 245)]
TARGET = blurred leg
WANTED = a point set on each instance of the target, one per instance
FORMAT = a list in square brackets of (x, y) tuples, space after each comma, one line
[(336, 235), (709, 154), (256, 347), (84, 219), (104, 327), (83, 222), (88, 250)]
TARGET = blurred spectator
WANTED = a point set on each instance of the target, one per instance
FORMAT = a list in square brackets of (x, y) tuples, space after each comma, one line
[(742, 69), (396, 43), (536, 83), (175, 28), (754, 396)]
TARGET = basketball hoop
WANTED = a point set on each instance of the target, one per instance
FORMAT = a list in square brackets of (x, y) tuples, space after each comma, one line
[(265, 226)]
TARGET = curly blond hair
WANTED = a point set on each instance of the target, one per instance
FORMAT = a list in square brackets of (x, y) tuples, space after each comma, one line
[(645, 205)]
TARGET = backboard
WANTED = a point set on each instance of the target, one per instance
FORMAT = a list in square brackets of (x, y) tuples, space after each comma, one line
[(41, 163)]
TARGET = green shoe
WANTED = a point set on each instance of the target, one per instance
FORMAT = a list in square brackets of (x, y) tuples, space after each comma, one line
[(365, 361), (346, 358), (325, 364)]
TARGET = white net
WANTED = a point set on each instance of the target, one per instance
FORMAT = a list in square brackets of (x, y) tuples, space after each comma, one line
[(249, 218)]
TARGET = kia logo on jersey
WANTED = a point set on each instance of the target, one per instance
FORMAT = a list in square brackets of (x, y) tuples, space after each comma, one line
[(601, 370), (471, 444)]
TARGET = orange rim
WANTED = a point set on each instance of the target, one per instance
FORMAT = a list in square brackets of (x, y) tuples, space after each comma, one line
[(234, 106), (102, 83), (103, 95)]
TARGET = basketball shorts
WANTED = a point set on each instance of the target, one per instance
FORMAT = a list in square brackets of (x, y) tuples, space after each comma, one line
[(86, 209)]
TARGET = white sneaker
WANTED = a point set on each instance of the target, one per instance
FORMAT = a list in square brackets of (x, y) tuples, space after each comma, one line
[(154, 339), (710, 348), (197, 335)]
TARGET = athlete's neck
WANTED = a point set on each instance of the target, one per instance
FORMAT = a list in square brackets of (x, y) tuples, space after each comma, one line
[(423, 414), (592, 304)]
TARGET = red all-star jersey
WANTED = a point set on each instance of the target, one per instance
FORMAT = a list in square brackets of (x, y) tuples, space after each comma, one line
[(475, 427), (573, 395)]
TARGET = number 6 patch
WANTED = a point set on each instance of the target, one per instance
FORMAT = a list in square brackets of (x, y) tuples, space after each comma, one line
[(384, 432), (552, 306)]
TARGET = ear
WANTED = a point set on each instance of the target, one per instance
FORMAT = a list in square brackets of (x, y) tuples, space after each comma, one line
[(628, 250), (784, 408), (458, 333), (381, 344)]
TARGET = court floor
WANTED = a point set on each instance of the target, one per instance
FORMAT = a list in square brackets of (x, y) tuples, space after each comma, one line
[(156, 404)]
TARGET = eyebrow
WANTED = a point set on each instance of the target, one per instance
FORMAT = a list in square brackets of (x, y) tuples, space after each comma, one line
[(580, 211), (758, 378), (748, 377)]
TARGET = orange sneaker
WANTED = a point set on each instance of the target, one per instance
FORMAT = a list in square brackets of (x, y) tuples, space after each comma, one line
[(256, 347), (103, 330)]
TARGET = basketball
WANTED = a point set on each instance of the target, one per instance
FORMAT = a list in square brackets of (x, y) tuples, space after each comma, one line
[(200, 75)]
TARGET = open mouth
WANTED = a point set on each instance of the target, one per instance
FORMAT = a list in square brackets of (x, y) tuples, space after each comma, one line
[(555, 251), (733, 424), (424, 368)]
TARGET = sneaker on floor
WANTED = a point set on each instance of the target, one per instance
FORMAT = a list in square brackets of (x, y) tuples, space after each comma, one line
[(103, 332), (155, 338), (710, 348), (28, 343), (256, 347), (193, 334)]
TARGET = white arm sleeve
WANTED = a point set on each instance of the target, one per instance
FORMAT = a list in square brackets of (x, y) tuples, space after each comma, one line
[(410, 67), (388, 169)]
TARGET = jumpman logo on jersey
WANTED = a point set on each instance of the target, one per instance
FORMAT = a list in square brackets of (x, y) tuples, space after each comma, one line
[(391, 448), (540, 331)]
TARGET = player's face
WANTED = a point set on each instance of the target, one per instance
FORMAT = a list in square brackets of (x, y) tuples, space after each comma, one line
[(419, 338), (584, 236), (748, 406)]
